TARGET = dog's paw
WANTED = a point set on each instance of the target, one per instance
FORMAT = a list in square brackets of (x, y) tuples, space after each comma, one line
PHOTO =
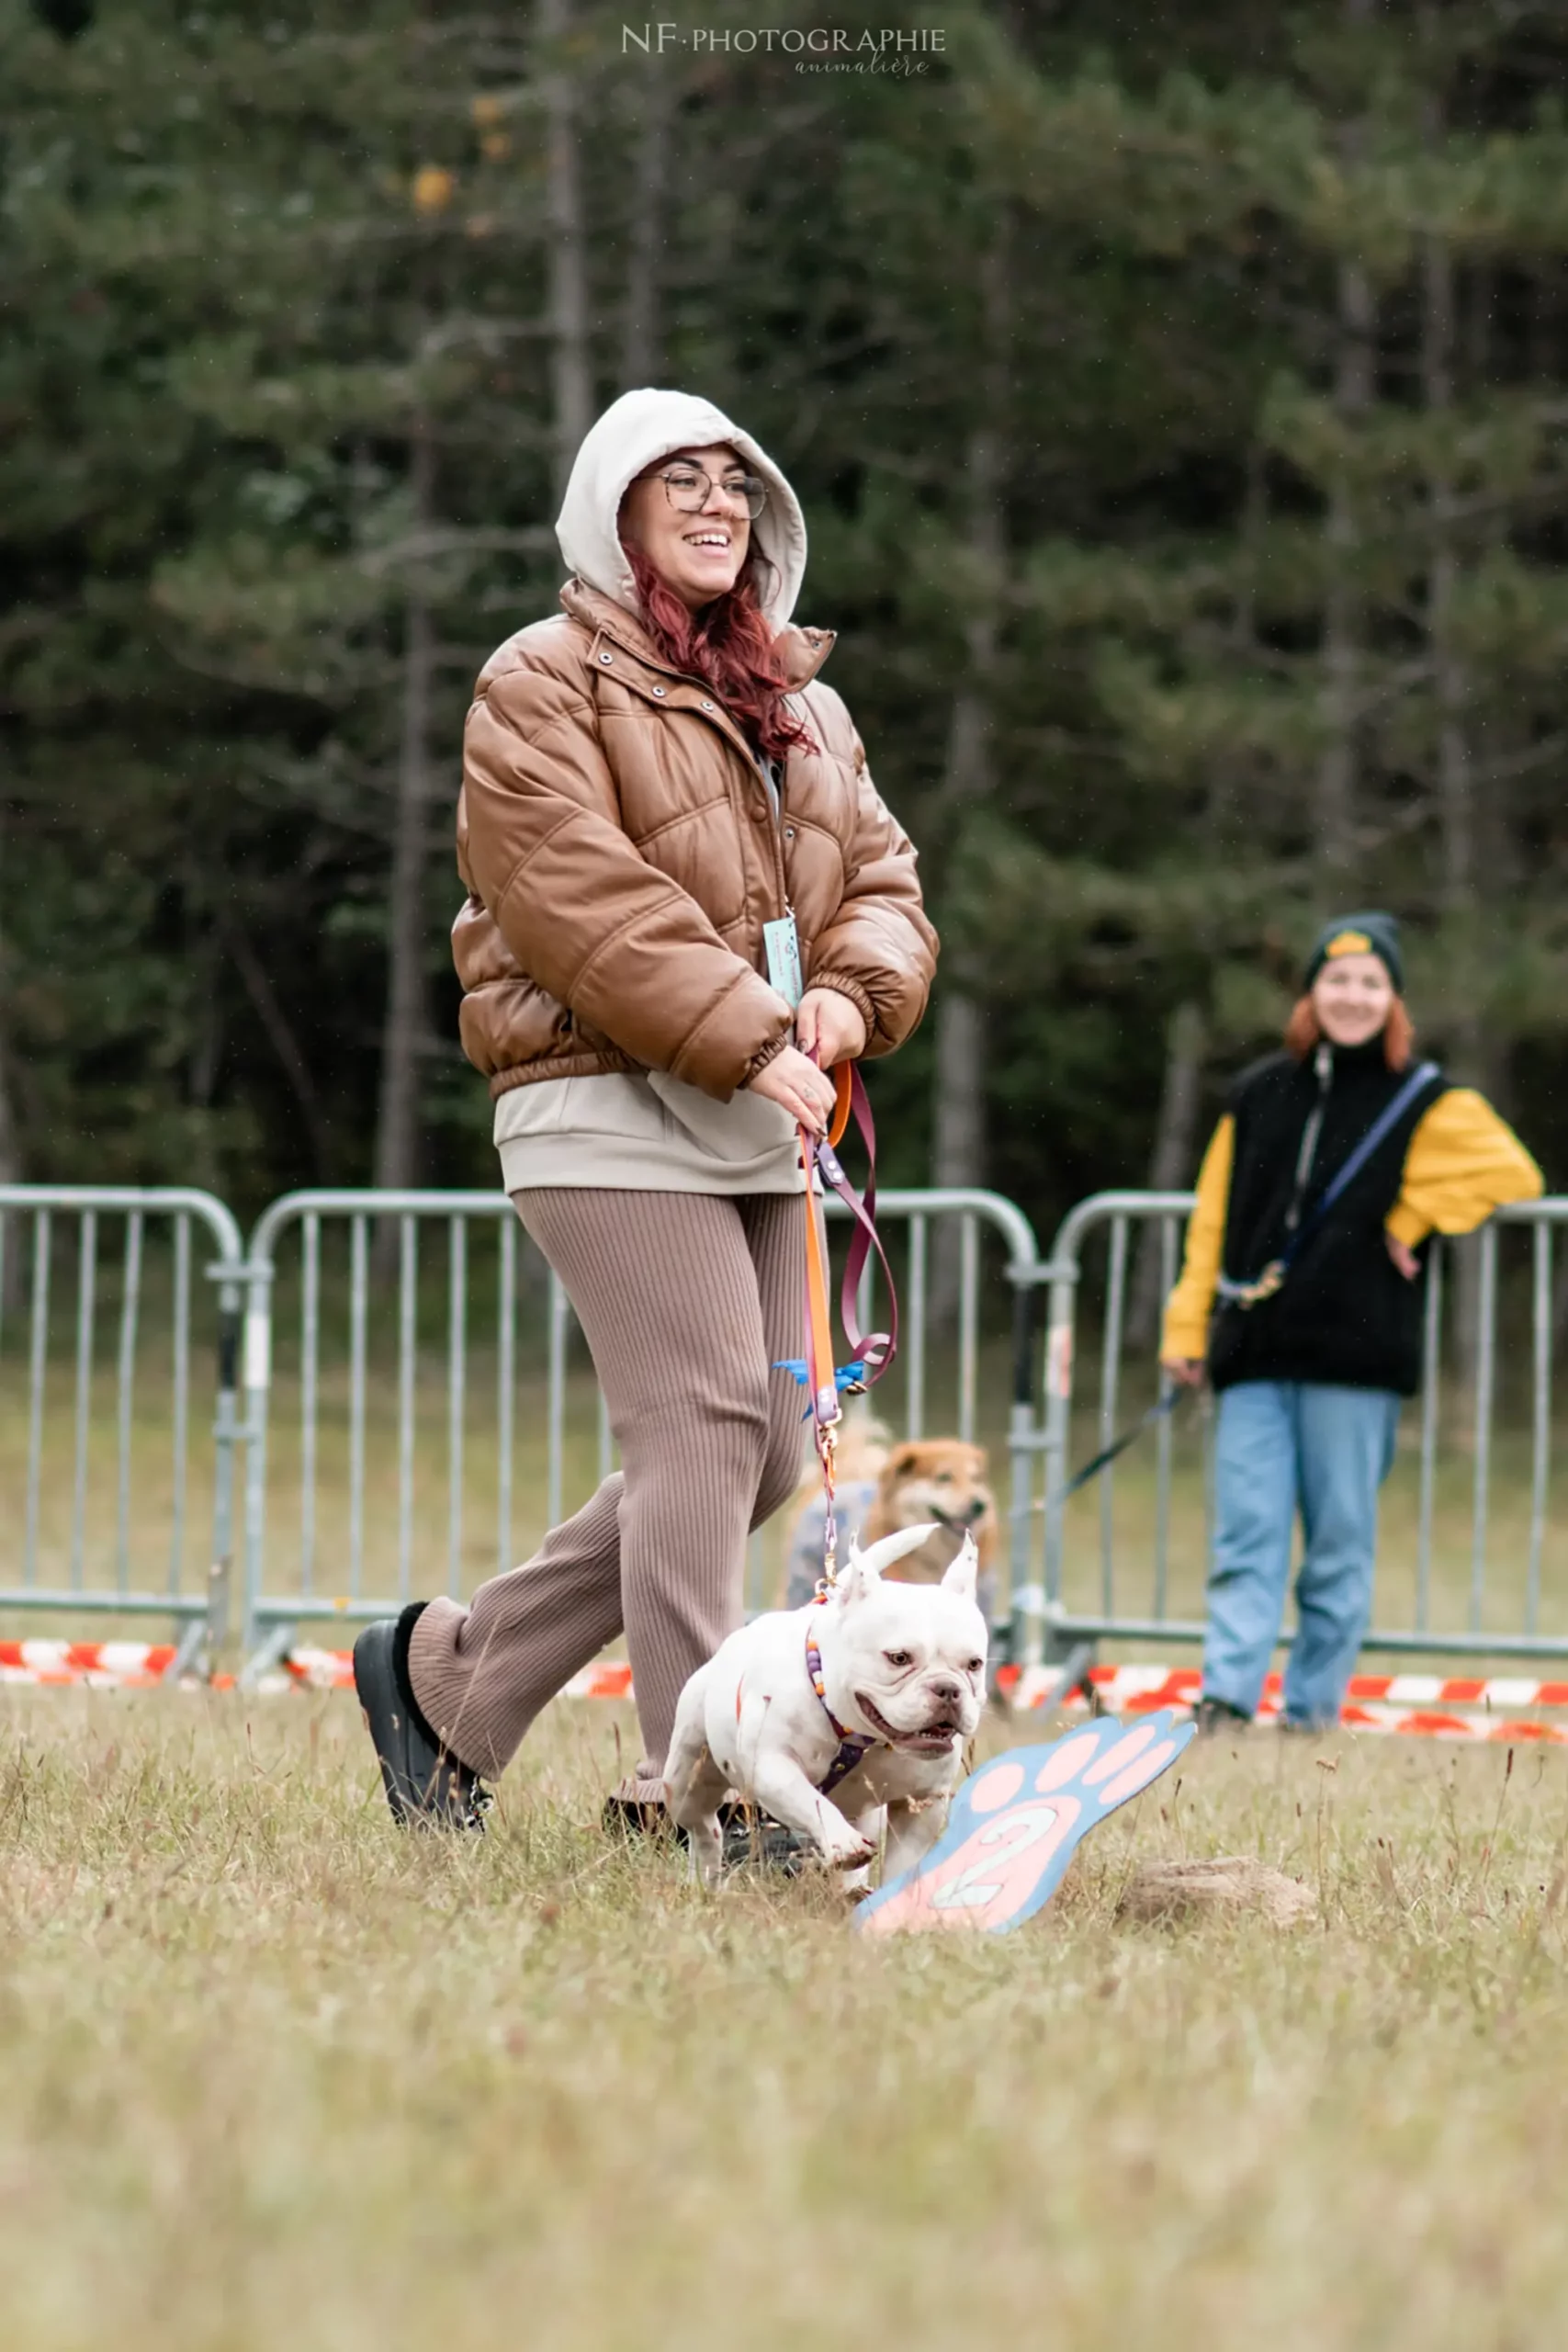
[(843, 1847), (705, 1845)]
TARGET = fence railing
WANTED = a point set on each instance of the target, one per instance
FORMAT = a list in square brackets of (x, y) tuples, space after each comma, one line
[(1461, 1570), (390, 1400), (407, 1378), (114, 1295)]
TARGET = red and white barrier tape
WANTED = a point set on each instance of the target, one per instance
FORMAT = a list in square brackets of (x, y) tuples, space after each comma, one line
[(1393, 1690), (141, 1666), (109, 1666), (333, 1670), (1413, 1705)]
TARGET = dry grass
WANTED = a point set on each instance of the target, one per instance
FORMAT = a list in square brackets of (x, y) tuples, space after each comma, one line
[(274, 2073)]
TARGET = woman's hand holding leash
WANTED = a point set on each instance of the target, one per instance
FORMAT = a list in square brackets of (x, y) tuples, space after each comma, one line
[(829, 1028), (1186, 1371), (806, 1092)]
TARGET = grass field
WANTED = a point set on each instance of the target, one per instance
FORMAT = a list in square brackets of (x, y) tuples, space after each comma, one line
[(278, 2075)]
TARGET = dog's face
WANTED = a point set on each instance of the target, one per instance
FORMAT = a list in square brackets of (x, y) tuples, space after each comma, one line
[(912, 1657), (937, 1478)]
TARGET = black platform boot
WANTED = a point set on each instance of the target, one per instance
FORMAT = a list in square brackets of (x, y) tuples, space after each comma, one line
[(425, 1783)]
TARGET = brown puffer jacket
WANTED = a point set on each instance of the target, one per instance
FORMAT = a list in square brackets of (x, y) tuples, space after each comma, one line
[(618, 841)]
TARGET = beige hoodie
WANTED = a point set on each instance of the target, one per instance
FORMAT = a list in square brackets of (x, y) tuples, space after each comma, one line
[(633, 434)]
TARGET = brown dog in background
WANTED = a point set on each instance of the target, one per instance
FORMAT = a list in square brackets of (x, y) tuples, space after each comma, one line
[(944, 1479)]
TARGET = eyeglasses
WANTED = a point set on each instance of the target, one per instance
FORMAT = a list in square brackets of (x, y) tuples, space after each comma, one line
[(688, 489)]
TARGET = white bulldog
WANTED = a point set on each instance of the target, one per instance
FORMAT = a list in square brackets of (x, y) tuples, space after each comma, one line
[(839, 1719)]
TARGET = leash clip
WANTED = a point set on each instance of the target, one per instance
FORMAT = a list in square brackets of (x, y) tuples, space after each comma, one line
[(1246, 1294)]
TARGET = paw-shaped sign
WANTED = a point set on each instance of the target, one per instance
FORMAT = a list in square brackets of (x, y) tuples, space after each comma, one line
[(1015, 1823)]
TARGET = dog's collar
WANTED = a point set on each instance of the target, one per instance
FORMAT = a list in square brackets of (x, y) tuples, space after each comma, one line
[(853, 1745)]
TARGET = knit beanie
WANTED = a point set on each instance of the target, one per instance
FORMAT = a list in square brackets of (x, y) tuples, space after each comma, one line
[(1371, 933)]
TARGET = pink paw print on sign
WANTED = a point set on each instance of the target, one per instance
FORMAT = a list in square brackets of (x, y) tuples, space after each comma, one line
[(1015, 1824)]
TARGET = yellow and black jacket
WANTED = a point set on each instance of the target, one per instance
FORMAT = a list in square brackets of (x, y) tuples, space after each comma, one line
[(1345, 1314)]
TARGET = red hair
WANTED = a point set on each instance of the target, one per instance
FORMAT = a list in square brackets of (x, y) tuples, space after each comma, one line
[(730, 646), (1303, 1032)]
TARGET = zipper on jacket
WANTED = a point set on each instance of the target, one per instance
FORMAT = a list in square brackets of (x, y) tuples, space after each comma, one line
[(776, 802), (1323, 1070)]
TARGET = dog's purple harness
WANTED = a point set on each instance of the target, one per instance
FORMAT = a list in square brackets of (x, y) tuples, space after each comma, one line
[(853, 1745)]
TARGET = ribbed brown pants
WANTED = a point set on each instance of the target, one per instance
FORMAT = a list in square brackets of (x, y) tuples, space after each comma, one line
[(686, 1300)]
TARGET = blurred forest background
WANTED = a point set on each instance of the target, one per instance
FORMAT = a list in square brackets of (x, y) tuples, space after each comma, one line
[(1178, 397)]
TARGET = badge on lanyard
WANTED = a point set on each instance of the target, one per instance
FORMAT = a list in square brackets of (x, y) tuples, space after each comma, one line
[(782, 944)]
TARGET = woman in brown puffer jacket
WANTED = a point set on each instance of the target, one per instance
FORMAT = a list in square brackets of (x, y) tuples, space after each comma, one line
[(666, 821)]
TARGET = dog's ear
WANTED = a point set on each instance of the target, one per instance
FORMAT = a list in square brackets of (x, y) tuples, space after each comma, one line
[(893, 1548), (902, 1460), (859, 1575), (963, 1570)]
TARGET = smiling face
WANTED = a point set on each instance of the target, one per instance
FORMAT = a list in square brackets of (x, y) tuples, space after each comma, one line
[(699, 556), (1352, 997)]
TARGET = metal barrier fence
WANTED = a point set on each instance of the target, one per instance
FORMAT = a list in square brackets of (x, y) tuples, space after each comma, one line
[(349, 1506), (1456, 1599), (349, 1458), (120, 1543)]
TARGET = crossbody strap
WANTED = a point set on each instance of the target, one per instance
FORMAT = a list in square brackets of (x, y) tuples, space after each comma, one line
[(1249, 1294), (1381, 1126)]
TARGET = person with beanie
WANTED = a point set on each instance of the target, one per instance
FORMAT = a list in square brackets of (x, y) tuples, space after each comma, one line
[(686, 902), (1302, 1296)]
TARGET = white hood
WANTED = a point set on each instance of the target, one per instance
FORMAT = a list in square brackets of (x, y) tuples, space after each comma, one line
[(633, 434)]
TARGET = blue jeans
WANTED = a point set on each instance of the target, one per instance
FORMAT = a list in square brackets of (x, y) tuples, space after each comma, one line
[(1283, 1445)]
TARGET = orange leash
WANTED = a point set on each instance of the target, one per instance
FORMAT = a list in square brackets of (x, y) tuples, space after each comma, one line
[(843, 1094), (819, 1315), (821, 1384)]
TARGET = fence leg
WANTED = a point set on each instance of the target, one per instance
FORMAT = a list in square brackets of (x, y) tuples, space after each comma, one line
[(1058, 1408), (192, 1643), (1075, 1672), (225, 1436), (1022, 1451), (276, 1647), (258, 1382), (219, 1592)]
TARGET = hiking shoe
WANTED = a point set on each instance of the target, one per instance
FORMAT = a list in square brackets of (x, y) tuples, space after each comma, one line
[(631, 1817), (1214, 1716), (425, 1784), (750, 1836)]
